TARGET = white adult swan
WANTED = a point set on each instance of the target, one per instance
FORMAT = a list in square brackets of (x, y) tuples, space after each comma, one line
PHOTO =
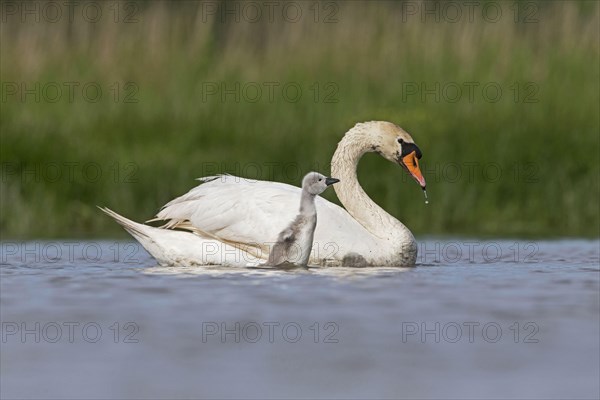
[(230, 220)]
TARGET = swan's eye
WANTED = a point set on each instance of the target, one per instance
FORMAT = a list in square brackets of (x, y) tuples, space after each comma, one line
[(320, 179), (400, 140)]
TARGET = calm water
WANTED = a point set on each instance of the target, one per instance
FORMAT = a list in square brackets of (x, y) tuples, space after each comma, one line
[(476, 319)]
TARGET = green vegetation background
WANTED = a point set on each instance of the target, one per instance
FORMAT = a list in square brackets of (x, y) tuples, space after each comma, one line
[(365, 58)]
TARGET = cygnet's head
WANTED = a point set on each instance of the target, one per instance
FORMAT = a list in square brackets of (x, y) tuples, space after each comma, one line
[(315, 183)]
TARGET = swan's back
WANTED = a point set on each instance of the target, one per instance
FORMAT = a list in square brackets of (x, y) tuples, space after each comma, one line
[(253, 213)]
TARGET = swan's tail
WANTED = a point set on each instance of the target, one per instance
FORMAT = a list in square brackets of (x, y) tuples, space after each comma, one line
[(171, 247), (136, 230), (142, 233)]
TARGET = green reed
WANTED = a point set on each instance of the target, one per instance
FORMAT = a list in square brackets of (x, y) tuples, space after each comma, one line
[(521, 162)]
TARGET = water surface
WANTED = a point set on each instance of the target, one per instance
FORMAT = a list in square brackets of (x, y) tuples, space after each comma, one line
[(475, 319)]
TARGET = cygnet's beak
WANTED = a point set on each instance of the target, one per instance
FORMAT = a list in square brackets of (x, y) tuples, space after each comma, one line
[(412, 165), (331, 181)]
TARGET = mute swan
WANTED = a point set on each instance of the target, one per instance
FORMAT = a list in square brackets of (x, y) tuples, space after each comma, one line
[(230, 221), (294, 243)]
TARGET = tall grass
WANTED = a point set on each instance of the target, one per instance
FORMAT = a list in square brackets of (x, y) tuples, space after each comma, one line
[(544, 143)]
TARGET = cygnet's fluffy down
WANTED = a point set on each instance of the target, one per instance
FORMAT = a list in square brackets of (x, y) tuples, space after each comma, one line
[(294, 243)]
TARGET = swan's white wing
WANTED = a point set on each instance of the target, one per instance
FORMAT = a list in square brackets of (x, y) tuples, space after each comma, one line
[(250, 212)]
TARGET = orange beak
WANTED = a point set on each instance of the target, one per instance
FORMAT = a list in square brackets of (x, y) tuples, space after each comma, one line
[(412, 165)]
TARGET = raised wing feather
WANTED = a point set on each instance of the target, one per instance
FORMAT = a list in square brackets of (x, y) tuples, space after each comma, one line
[(251, 212)]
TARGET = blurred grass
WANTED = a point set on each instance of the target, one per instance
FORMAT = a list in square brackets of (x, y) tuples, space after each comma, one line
[(150, 151)]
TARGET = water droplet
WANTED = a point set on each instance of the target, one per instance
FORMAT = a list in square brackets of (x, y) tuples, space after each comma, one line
[(425, 193)]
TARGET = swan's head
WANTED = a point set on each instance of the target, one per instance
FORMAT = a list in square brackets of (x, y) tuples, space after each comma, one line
[(315, 183), (397, 146)]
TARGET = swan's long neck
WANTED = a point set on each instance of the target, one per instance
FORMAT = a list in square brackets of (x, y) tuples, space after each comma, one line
[(343, 167)]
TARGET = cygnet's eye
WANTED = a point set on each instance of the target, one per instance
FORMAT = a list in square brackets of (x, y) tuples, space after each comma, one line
[(400, 140), (320, 179)]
